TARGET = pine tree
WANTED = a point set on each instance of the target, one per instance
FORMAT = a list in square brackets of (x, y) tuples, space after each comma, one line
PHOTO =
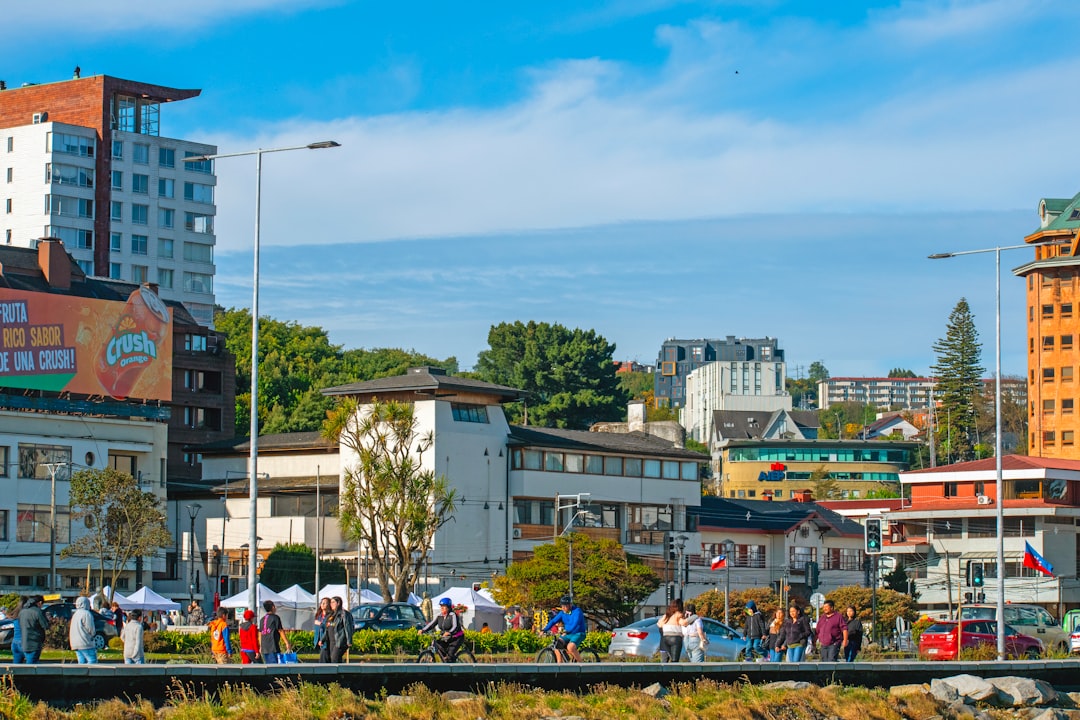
[(959, 380)]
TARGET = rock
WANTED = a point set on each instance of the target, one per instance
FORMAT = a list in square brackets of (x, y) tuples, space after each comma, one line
[(971, 688), (1050, 714), (451, 695), (394, 700), (1013, 691), (904, 690), (656, 690), (943, 691), (960, 709), (787, 685)]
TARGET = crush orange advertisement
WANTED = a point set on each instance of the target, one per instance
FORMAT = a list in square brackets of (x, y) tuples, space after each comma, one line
[(87, 346)]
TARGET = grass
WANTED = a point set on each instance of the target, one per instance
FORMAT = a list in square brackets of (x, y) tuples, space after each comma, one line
[(686, 701)]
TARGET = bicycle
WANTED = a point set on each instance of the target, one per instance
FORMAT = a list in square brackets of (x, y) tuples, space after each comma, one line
[(435, 654), (557, 649)]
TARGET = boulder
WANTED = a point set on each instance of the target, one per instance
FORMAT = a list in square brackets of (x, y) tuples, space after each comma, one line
[(1013, 691), (787, 685), (656, 690), (971, 688), (451, 695), (943, 692)]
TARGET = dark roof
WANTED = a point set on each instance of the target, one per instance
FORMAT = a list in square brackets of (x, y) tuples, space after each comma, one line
[(267, 443), (632, 443), (775, 516), (750, 424), (328, 484), (427, 381)]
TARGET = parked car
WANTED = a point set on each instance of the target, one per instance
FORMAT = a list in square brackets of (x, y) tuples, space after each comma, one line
[(1031, 620), (642, 639), (938, 642), (391, 616), (7, 632), (104, 627), (1071, 624)]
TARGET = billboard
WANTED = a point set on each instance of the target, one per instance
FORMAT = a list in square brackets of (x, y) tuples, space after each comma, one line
[(81, 345)]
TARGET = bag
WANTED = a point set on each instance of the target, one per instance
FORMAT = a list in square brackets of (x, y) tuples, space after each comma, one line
[(289, 658)]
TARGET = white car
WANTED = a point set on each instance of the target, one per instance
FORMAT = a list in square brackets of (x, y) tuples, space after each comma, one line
[(642, 639)]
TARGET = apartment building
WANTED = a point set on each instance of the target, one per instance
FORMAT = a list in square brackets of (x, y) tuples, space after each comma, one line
[(678, 358), (747, 385), (1053, 327), (902, 393), (84, 160)]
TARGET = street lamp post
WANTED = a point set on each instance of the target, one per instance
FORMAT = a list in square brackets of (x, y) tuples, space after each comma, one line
[(253, 460), (193, 512), (52, 467), (680, 555), (729, 547), (999, 485), (566, 502)]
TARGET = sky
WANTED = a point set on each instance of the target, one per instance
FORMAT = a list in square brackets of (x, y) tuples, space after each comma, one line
[(646, 168)]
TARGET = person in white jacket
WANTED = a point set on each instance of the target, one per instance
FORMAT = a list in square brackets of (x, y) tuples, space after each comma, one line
[(81, 634), (132, 635)]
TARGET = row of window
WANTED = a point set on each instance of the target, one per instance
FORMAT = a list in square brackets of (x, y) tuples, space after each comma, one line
[(140, 155), (600, 515), (200, 283), (1064, 311), (977, 527), (813, 454), (1050, 437), (552, 461), (140, 245), (1064, 342), (778, 493), (1065, 373)]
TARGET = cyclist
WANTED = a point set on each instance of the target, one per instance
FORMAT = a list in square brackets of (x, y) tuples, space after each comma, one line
[(573, 621), (451, 632)]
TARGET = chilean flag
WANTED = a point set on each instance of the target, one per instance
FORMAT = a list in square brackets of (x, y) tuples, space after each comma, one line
[(718, 562), (1035, 561)]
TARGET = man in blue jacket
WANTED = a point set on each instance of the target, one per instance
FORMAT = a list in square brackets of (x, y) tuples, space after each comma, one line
[(573, 621)]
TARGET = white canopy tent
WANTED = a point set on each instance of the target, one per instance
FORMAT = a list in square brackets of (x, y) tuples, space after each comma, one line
[(145, 599), (263, 593), (350, 597), (478, 609), (297, 608)]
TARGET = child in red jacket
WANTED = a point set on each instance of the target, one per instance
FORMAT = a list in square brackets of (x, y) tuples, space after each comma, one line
[(249, 638)]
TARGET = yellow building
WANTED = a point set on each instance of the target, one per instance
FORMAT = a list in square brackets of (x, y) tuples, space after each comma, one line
[(1053, 330)]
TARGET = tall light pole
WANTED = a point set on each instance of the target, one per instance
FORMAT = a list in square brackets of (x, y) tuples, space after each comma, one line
[(565, 502), (999, 485), (253, 460), (729, 548), (193, 512), (53, 467)]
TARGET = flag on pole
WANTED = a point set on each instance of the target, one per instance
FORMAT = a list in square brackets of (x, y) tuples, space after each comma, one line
[(718, 562), (1035, 561)]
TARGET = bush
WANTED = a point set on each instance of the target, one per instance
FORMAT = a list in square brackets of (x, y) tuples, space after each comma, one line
[(918, 628), (176, 643), (299, 640), (57, 637), (116, 644)]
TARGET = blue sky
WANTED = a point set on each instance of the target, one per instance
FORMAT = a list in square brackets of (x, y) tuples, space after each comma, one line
[(648, 168)]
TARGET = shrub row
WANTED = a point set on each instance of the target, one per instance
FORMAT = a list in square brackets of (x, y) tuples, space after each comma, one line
[(377, 642)]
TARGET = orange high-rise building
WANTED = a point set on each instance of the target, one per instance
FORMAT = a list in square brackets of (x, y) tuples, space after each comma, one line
[(1053, 331)]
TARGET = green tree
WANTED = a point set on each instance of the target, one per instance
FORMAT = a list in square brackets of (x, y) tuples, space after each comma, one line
[(890, 605), (295, 363), (959, 381), (609, 584), (390, 503), (803, 392), (825, 487), (711, 603), (1014, 419), (568, 375), (636, 385), (123, 521), (897, 579), (818, 372), (901, 373), (294, 564)]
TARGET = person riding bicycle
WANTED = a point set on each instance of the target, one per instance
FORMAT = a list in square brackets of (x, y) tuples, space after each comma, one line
[(451, 633), (573, 621)]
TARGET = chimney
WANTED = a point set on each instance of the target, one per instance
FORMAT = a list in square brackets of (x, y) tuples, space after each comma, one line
[(635, 416), (802, 496), (54, 263)]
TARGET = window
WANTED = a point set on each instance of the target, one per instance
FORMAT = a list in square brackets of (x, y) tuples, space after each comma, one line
[(140, 154), (139, 244), (118, 149), (613, 465), (71, 144), (64, 205), (86, 266), (799, 556), (195, 343), (689, 470), (165, 247), (632, 467), (198, 252), (198, 192), (140, 214), (671, 470), (553, 461), (1067, 374), (10, 172), (166, 157), (574, 462), (34, 461), (116, 211), (951, 489), (1049, 438), (460, 411), (166, 187), (202, 418), (117, 180), (200, 166), (115, 240), (594, 464), (59, 174), (1048, 342), (1067, 406), (1048, 406), (1047, 311), (73, 237), (843, 559), (198, 222), (165, 278), (140, 184), (115, 271), (533, 459), (652, 469), (166, 217), (982, 527), (1048, 375), (947, 528), (34, 523), (198, 283), (139, 273), (1066, 342), (1066, 310), (10, 143), (1067, 437)]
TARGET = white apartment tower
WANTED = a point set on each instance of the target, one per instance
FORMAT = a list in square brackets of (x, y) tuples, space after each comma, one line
[(83, 160), (732, 385)]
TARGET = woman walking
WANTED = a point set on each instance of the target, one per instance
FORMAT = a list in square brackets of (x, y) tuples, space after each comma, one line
[(671, 632), (321, 636), (773, 638), (694, 634), (854, 634), (793, 635)]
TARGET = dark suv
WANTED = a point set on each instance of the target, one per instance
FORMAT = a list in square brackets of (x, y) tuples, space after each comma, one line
[(391, 616), (104, 627)]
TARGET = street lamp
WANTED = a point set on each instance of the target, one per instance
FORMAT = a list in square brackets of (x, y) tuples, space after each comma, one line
[(254, 431), (193, 511), (680, 553), (565, 502), (53, 467), (729, 548), (999, 484)]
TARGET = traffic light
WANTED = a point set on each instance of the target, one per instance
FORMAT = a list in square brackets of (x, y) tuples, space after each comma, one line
[(812, 575), (670, 593), (977, 579), (223, 586), (873, 536), (672, 547)]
